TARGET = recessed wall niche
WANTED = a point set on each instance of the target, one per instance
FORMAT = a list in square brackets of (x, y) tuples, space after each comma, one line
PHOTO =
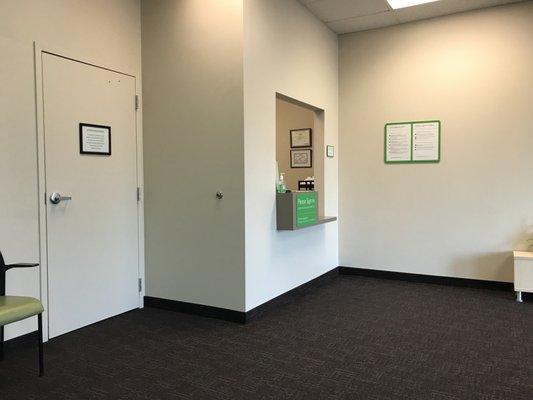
[(300, 160)]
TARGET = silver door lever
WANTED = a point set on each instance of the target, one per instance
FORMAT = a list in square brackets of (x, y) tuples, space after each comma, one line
[(56, 198)]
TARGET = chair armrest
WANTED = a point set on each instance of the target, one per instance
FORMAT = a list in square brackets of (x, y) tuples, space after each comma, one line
[(21, 265)]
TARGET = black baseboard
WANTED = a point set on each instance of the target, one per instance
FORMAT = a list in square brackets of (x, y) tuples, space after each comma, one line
[(432, 279), (288, 297), (240, 316), (196, 309)]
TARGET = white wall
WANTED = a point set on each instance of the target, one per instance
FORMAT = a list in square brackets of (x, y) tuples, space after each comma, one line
[(286, 50), (103, 32), (193, 102), (461, 217)]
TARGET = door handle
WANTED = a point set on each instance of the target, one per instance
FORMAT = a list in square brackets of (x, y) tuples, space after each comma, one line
[(56, 198)]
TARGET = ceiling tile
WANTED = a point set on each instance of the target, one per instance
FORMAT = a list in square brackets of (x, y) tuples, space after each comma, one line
[(364, 23), (332, 10), (344, 16), (444, 7)]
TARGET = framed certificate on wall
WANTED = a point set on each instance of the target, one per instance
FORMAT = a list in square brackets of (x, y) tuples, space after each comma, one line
[(301, 158), (301, 138)]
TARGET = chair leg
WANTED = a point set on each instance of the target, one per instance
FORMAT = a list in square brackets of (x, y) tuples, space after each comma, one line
[(41, 358), (1, 342)]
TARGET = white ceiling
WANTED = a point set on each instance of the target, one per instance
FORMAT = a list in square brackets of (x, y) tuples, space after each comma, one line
[(344, 16)]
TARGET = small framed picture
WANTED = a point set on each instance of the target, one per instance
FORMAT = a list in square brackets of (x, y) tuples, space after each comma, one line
[(330, 151), (95, 139), (302, 158), (301, 138)]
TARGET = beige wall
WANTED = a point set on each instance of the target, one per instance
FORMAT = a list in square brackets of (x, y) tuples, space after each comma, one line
[(461, 217), (291, 116), (102, 32), (193, 109), (287, 51)]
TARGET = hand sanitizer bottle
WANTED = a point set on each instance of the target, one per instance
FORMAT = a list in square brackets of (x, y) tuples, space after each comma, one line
[(281, 188)]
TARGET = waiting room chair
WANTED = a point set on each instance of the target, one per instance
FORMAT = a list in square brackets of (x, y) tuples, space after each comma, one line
[(16, 308)]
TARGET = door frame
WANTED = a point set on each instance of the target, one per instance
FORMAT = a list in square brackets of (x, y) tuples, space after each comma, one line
[(41, 171)]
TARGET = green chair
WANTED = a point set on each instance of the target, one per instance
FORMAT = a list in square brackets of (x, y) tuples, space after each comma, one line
[(16, 308)]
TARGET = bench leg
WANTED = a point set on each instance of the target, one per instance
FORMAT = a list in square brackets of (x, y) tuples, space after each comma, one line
[(41, 358), (1, 342), (519, 297)]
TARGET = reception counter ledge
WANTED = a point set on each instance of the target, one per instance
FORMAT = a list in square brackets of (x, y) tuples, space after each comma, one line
[(298, 210)]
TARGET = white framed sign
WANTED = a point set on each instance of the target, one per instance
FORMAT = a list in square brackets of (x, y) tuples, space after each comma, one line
[(95, 139)]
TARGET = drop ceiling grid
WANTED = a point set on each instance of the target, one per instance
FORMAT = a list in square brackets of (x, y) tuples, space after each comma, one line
[(345, 16)]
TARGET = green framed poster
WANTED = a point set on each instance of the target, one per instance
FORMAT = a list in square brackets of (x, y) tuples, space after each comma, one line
[(306, 209), (412, 142)]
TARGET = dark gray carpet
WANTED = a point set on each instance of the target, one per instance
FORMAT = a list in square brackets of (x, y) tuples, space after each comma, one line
[(352, 338)]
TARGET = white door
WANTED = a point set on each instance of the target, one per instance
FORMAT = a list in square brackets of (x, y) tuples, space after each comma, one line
[(92, 238)]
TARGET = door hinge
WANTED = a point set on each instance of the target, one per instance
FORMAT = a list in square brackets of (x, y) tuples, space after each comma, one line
[(140, 285), (136, 102), (138, 194)]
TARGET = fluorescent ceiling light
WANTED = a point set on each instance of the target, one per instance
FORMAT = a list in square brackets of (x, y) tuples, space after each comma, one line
[(395, 4)]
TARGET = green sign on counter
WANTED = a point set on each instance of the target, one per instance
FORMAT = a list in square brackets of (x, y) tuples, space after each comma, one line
[(306, 209)]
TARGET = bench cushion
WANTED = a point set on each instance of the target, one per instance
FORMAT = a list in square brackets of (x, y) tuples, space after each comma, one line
[(15, 308)]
